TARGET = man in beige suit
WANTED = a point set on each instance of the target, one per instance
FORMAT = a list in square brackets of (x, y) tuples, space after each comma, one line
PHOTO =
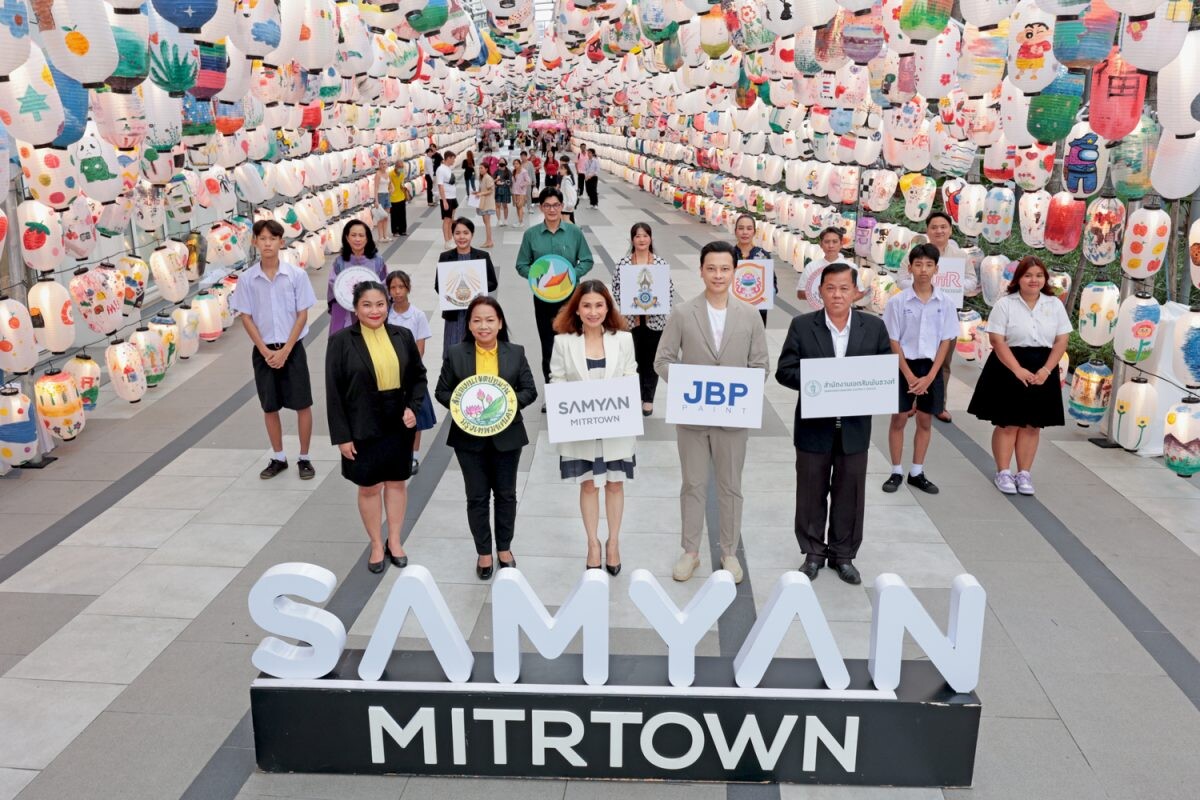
[(714, 329)]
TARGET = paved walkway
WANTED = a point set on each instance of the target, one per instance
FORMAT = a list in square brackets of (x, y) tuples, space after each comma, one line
[(125, 642)]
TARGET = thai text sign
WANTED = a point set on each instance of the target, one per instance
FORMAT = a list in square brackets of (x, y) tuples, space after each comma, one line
[(849, 387)]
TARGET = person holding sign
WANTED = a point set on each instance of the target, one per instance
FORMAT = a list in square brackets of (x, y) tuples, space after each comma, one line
[(374, 387), (485, 382), (455, 322), (714, 329), (592, 344), (923, 325), (1019, 390), (552, 237), (646, 330), (831, 452), (747, 250)]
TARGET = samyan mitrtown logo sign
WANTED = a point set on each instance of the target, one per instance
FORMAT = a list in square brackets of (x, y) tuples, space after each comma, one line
[(448, 711)]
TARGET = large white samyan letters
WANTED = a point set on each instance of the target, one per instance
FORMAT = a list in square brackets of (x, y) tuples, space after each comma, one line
[(516, 607)]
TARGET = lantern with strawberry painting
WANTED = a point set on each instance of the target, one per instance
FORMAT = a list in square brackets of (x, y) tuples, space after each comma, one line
[(1146, 237), (29, 103), (1103, 227), (41, 236), (1064, 223), (125, 370), (1117, 97), (99, 295), (18, 346), (51, 174)]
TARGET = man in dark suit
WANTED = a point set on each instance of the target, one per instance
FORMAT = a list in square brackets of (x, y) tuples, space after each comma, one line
[(831, 452)]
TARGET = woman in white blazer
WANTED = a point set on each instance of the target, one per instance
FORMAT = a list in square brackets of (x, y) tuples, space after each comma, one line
[(593, 343)]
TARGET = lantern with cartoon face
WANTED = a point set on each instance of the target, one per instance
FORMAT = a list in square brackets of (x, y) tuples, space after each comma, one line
[(1031, 62), (1085, 163)]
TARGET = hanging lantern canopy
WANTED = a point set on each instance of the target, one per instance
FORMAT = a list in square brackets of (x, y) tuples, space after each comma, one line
[(52, 315), (98, 294), (29, 103), (1181, 438), (1186, 354), (1090, 393), (59, 406), (18, 435), (85, 373), (41, 236), (1146, 237), (1136, 403), (188, 322), (18, 346), (125, 370), (1103, 227), (168, 331), (149, 345), (207, 307), (1137, 327)]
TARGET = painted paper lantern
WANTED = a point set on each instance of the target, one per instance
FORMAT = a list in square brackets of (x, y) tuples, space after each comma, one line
[(59, 406), (999, 160), (174, 57), (1136, 404), (1137, 327), (1181, 438), (125, 370), (1034, 166), (1064, 223), (1186, 355), (135, 274), (1145, 245), (74, 100), (41, 236), (169, 273), (1059, 282), (79, 228), (1103, 228), (51, 174), (984, 56), (208, 310), (1178, 88), (99, 170), (968, 321), (18, 434), (85, 373), (18, 345), (995, 273), (131, 33), (3, 224), (187, 15), (154, 355), (1194, 252), (1176, 169), (188, 323), (1085, 163), (1031, 62), (1084, 33), (1117, 96), (120, 119), (52, 315), (970, 209), (1053, 110), (113, 218), (1151, 42), (29, 104), (1090, 393), (77, 39), (14, 36), (1131, 159), (986, 12), (168, 331), (998, 209), (98, 294)]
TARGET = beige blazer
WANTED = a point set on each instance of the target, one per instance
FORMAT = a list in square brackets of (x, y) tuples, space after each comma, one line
[(688, 339), (568, 362)]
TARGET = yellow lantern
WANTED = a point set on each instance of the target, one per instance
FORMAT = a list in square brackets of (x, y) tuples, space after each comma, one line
[(85, 372), (154, 356), (52, 315), (59, 406), (125, 370), (188, 324)]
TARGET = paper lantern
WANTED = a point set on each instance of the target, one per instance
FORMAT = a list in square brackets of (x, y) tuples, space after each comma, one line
[(187, 15), (208, 310), (1178, 88), (170, 274), (188, 323), (1064, 223), (99, 170), (998, 208), (1194, 252), (134, 274), (1103, 227), (52, 315), (114, 217), (970, 209), (1186, 355), (222, 290), (1146, 237), (168, 331), (18, 347), (59, 406), (1084, 34), (1131, 159), (1137, 327), (1034, 166), (149, 345), (1031, 62), (1117, 96), (51, 174), (29, 104), (1176, 169), (1053, 110), (1151, 42), (995, 273), (41, 236), (79, 228), (1090, 393), (14, 36), (1098, 307), (1181, 438), (1059, 282), (1136, 403), (85, 373), (98, 294), (968, 321), (1085, 163), (77, 39), (131, 33), (174, 56), (125, 370), (120, 119), (18, 435)]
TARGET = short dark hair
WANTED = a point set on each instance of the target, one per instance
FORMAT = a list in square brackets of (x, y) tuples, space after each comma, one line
[(367, 286), (448, 154), (924, 250), (741, 217), (567, 319), (369, 251), (837, 269), (1024, 265), (270, 226), (463, 221), (398, 275), (835, 230), (718, 247), (486, 300), (939, 214), (549, 192)]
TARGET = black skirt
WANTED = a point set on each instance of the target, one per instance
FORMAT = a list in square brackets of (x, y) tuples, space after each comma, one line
[(1003, 400), (387, 457)]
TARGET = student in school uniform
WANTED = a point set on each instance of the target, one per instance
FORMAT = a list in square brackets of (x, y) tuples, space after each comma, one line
[(922, 325), (273, 298)]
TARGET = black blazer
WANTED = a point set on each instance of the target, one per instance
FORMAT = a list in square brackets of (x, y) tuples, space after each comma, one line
[(808, 337), (350, 384), (459, 364), (476, 253)]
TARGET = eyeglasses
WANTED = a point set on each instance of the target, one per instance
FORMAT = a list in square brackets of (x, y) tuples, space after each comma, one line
[(551, 206)]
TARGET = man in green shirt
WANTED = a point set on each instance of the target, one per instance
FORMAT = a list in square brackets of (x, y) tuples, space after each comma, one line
[(552, 237)]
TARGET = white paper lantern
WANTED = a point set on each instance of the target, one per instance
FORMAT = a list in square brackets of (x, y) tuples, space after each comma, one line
[(18, 434), (98, 294), (208, 310), (170, 273), (1136, 403), (1186, 355), (52, 314), (125, 370), (1099, 303), (1176, 169), (1033, 208), (78, 39), (188, 322), (998, 209), (1178, 87), (59, 406), (970, 209), (18, 347), (41, 236), (79, 228), (168, 330), (154, 354), (85, 372), (29, 102), (1137, 327), (1146, 236)]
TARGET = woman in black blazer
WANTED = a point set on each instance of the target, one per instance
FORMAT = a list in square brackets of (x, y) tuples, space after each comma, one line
[(374, 386), (489, 464), (456, 321)]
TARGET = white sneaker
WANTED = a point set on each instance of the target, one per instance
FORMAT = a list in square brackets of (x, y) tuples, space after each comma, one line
[(1024, 482), (685, 566), (1004, 482), (731, 563)]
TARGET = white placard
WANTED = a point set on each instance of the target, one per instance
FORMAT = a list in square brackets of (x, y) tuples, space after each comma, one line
[(951, 278), (579, 411), (849, 387), (754, 282), (645, 289), (724, 397), (460, 282)]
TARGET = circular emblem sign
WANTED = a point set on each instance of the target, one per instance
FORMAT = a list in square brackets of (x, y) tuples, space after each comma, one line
[(346, 280), (483, 405), (552, 278)]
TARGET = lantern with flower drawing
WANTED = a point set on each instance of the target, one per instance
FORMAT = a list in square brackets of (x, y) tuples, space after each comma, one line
[(168, 330), (85, 373), (18, 435), (1136, 401), (125, 370), (1137, 327), (149, 345), (1090, 392), (1103, 226), (98, 294), (59, 406), (1099, 303), (188, 322), (52, 315), (14, 36)]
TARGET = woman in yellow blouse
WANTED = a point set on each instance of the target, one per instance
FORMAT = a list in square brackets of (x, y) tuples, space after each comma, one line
[(374, 385)]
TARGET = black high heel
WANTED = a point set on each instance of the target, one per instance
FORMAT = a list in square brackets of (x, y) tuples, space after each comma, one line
[(613, 569), (397, 561), (484, 572), (512, 562)]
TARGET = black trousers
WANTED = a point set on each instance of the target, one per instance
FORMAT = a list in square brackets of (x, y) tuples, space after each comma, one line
[(592, 185), (544, 313), (645, 345), (487, 474), (400, 218), (837, 482), (429, 189)]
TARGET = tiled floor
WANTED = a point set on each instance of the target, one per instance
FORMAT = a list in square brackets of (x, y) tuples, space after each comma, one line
[(125, 648)]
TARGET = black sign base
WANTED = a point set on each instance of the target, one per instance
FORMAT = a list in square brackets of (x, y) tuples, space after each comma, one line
[(637, 727)]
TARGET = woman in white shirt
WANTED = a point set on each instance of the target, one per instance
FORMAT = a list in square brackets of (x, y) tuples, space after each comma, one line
[(592, 344), (1019, 390)]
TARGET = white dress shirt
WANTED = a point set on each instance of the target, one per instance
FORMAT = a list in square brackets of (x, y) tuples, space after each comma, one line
[(1022, 326), (841, 339), (274, 304), (920, 327)]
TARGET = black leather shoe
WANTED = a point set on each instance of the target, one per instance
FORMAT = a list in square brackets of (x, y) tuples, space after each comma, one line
[(848, 573), (589, 566), (512, 562), (613, 569), (377, 566), (809, 569), (273, 468), (923, 483), (397, 561), (893, 482), (483, 572), (305, 468)]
